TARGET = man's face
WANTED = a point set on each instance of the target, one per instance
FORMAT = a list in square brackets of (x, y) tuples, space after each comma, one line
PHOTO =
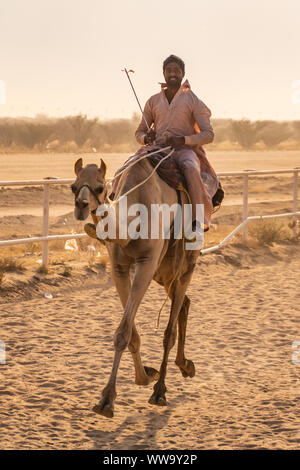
[(173, 74)]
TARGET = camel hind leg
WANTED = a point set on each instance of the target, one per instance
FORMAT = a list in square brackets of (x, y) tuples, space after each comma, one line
[(186, 366), (144, 375), (158, 397), (178, 315)]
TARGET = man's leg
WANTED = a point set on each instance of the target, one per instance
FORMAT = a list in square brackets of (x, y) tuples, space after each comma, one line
[(188, 163)]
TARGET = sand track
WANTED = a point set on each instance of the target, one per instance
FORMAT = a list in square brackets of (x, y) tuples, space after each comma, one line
[(243, 320), (245, 394)]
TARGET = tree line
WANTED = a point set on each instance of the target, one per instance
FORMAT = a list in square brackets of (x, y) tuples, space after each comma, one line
[(79, 133)]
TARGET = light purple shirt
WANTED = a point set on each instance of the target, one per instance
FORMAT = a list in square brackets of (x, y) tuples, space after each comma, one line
[(186, 116)]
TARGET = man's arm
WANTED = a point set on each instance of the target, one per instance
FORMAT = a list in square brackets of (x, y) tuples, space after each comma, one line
[(202, 116), (143, 129)]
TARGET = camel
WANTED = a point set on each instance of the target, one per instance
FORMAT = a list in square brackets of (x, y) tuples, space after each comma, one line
[(160, 259)]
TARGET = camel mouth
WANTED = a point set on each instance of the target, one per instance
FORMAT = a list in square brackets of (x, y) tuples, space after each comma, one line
[(81, 217), (81, 214)]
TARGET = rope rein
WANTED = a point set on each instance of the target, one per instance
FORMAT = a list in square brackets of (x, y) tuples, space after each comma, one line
[(136, 161), (148, 177)]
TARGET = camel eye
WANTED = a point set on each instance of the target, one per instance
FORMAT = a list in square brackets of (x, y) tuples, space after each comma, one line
[(73, 188), (99, 189)]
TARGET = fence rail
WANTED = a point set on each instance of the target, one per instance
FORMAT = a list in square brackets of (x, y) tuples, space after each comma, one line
[(45, 238)]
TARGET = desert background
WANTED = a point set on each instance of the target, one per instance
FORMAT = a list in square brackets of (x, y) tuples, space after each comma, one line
[(243, 319)]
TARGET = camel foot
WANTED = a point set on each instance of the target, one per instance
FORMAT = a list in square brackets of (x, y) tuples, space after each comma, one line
[(158, 400), (187, 368), (151, 376), (104, 408)]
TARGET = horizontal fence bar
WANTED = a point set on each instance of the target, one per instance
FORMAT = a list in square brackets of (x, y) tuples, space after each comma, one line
[(36, 182), (256, 172), (48, 238), (244, 223)]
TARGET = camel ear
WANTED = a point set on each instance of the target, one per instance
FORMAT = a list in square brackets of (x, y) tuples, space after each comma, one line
[(102, 168), (78, 166)]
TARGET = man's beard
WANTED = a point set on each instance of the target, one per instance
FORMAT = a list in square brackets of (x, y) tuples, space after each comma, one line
[(173, 83)]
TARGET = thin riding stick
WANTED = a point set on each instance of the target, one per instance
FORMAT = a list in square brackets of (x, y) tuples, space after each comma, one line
[(125, 70)]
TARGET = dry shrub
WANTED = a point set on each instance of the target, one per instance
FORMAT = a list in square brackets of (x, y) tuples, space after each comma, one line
[(268, 231), (225, 145), (8, 265), (33, 248), (79, 133), (288, 145), (69, 147), (67, 272)]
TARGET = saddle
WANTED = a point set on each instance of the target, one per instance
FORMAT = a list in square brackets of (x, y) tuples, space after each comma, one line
[(169, 172)]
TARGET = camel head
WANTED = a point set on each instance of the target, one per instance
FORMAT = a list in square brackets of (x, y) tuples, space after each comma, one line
[(89, 188)]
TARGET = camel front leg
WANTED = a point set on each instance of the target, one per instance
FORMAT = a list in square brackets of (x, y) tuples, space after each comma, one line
[(120, 273), (144, 272)]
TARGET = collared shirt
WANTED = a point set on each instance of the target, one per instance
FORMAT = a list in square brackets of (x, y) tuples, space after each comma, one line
[(186, 116)]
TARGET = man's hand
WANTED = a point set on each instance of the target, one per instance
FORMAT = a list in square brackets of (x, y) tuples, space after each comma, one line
[(150, 137), (175, 142)]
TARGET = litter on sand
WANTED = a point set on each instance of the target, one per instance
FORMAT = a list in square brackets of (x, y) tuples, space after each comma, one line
[(47, 295), (71, 245)]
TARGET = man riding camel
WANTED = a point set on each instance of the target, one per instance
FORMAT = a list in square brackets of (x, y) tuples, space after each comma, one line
[(177, 118)]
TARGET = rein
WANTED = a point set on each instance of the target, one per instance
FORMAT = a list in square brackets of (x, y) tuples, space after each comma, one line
[(141, 157)]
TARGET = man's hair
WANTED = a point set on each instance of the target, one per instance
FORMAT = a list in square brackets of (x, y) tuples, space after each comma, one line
[(174, 58)]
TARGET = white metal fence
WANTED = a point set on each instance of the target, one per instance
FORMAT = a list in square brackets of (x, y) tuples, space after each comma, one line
[(246, 174), (45, 238)]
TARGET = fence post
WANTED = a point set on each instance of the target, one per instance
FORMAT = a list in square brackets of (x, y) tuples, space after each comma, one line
[(245, 207), (45, 225), (295, 201)]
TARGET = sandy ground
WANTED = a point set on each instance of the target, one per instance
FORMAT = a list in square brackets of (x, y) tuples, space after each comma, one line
[(244, 317), (38, 166)]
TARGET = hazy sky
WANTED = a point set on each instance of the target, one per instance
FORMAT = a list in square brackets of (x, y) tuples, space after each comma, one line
[(63, 57)]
